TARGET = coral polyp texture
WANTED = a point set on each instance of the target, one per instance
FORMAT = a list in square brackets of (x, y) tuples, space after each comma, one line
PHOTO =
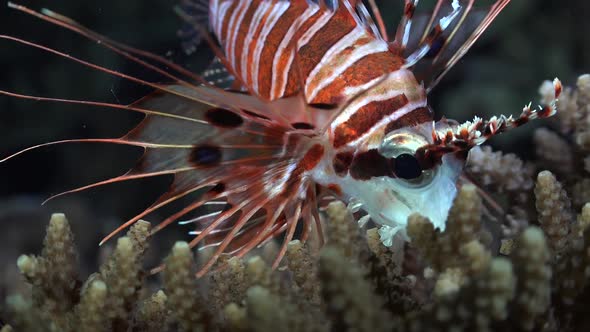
[(515, 256)]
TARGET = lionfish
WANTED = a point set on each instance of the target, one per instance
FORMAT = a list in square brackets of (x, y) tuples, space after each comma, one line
[(306, 102)]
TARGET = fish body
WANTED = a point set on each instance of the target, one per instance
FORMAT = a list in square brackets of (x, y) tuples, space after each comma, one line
[(321, 105), (328, 55)]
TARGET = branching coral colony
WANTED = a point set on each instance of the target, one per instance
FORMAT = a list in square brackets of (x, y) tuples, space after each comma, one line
[(526, 271)]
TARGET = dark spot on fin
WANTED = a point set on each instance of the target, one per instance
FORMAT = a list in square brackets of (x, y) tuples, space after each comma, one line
[(223, 118), (326, 107), (218, 188), (302, 125), (205, 155)]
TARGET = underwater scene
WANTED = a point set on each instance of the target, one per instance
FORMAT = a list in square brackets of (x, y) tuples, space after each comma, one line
[(295, 165)]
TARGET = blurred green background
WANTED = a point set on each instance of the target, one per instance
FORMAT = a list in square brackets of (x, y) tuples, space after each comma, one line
[(531, 41)]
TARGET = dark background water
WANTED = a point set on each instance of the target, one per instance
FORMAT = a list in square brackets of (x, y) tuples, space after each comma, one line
[(532, 40)]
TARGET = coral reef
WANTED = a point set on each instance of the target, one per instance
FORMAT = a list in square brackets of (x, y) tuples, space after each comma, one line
[(515, 256)]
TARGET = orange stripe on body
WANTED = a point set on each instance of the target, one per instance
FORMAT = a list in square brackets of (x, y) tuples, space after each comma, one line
[(255, 40), (310, 54), (240, 37), (363, 71), (365, 118), (234, 24), (223, 37), (271, 46), (293, 84), (312, 157)]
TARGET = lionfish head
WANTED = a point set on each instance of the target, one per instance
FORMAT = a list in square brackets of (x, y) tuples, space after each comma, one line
[(406, 185), (423, 164)]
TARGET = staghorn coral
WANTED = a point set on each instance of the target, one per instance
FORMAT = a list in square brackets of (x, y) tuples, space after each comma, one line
[(553, 152), (479, 294), (53, 274), (458, 246), (583, 220), (153, 313), (228, 284), (304, 268), (533, 272), (553, 208), (474, 307), (351, 304), (105, 302), (499, 171), (189, 308), (92, 305), (343, 232), (452, 280)]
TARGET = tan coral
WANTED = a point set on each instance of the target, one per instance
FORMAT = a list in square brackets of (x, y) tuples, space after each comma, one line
[(343, 231), (477, 257), (499, 171), (385, 272), (444, 250), (553, 207), (54, 273), (139, 235), (349, 298), (123, 280), (26, 316), (464, 221), (91, 310), (228, 284), (153, 314), (236, 317), (185, 303), (449, 282), (572, 272), (6, 328), (582, 111), (304, 268), (531, 264), (583, 220), (553, 152), (583, 84), (260, 274), (580, 192), (267, 312), (475, 306), (424, 237)]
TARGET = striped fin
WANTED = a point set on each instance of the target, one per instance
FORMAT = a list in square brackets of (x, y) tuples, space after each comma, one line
[(194, 13), (217, 74), (224, 149), (453, 138), (436, 40)]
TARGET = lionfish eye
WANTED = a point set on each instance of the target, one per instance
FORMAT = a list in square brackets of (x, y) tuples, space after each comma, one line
[(406, 166)]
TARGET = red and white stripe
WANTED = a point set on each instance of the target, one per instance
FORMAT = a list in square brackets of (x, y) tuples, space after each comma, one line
[(288, 47)]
